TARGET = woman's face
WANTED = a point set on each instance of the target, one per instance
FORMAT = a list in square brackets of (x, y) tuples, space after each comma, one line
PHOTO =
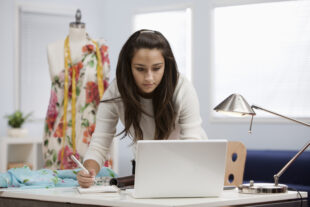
[(147, 66)]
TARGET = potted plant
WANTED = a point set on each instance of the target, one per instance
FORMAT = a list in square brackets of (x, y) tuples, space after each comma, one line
[(15, 121)]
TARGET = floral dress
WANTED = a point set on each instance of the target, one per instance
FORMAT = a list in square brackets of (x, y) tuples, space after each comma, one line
[(87, 100)]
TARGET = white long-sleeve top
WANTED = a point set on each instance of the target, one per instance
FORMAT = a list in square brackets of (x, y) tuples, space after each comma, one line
[(188, 120)]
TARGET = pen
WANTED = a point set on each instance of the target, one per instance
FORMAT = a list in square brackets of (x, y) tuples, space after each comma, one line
[(79, 164)]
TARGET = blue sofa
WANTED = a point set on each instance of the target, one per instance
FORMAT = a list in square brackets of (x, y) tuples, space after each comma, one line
[(261, 165)]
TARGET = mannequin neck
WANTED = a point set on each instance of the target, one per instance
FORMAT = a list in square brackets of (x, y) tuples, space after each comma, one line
[(77, 38), (77, 34)]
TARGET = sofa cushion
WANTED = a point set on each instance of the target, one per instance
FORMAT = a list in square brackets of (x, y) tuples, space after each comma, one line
[(261, 165)]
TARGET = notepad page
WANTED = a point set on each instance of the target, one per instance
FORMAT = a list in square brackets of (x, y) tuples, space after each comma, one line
[(99, 189)]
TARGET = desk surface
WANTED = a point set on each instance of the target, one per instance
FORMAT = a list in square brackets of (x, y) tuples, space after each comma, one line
[(71, 195)]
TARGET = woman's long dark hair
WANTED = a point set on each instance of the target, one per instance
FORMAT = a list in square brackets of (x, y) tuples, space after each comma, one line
[(164, 111)]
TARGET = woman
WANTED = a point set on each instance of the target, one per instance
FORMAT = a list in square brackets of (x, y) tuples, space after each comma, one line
[(149, 96)]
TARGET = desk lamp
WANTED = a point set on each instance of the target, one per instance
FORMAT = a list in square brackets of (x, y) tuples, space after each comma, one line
[(237, 105)]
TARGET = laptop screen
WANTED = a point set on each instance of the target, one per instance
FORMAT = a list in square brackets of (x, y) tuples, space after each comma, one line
[(180, 168)]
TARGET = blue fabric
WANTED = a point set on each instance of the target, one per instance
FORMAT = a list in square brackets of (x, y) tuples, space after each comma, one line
[(261, 165), (44, 178)]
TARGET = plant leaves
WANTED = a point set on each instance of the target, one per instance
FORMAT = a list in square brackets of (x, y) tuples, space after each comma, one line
[(17, 119)]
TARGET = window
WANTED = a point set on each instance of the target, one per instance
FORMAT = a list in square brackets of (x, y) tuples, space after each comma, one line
[(262, 51), (37, 30), (176, 27)]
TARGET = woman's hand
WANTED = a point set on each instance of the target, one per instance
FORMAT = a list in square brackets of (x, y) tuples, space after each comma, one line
[(86, 180)]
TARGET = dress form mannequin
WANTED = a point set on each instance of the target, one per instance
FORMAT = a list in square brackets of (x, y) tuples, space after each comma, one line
[(89, 58)]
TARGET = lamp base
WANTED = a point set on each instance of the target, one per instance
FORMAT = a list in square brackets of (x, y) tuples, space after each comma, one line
[(257, 188)]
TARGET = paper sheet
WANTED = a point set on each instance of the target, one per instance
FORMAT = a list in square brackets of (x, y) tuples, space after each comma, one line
[(99, 189)]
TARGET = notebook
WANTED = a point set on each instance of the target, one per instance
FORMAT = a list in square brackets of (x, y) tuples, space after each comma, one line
[(179, 168), (98, 189)]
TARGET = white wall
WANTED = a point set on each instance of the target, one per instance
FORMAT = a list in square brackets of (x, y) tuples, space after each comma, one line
[(6, 58), (112, 19)]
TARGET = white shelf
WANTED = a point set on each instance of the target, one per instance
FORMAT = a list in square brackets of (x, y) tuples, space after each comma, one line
[(19, 149), (20, 140)]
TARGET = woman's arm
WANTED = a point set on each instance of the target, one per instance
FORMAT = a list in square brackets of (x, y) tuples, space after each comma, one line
[(189, 117), (92, 164)]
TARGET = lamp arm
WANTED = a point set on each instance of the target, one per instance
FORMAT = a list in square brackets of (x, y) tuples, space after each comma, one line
[(274, 113), (277, 176)]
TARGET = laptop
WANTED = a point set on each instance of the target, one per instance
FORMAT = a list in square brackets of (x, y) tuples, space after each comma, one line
[(179, 168)]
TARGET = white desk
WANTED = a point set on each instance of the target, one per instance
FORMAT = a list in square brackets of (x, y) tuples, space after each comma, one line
[(70, 195)]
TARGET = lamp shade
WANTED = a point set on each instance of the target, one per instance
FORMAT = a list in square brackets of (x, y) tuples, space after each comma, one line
[(235, 103)]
